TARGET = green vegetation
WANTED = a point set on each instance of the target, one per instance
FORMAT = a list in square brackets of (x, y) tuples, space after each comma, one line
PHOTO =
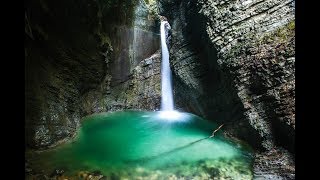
[(281, 35), (253, 41), (152, 8)]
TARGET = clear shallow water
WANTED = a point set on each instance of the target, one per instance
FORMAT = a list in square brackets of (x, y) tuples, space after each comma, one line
[(132, 143)]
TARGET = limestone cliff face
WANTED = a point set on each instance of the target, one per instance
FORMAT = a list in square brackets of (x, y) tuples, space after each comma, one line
[(84, 57), (255, 43), (233, 62), (62, 61), (141, 91), (236, 60)]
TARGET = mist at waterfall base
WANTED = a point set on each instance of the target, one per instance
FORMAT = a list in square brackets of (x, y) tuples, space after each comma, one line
[(131, 144), (167, 106), (149, 145)]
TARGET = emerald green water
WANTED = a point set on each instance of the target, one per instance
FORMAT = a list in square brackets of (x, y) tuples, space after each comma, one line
[(134, 143)]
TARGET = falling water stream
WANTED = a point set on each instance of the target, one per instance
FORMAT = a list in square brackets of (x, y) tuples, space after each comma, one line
[(149, 145), (166, 86)]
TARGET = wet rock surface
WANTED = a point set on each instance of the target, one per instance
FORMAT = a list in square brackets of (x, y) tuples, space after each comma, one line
[(141, 91), (233, 62), (274, 164), (77, 55), (214, 169), (236, 63)]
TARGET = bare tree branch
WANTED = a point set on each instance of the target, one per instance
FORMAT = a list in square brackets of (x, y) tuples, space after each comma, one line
[(216, 130)]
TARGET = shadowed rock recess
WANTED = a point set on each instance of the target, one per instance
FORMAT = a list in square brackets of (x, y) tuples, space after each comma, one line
[(232, 61), (83, 57)]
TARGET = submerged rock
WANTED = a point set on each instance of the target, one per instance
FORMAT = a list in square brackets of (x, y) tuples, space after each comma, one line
[(57, 172), (274, 164)]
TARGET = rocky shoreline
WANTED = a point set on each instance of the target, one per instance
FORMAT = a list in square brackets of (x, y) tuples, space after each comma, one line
[(202, 170)]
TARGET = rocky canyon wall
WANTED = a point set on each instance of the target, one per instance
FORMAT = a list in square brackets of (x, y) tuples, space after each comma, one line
[(233, 62), (84, 57)]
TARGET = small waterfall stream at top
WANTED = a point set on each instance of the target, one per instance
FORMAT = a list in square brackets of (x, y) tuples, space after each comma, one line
[(166, 85)]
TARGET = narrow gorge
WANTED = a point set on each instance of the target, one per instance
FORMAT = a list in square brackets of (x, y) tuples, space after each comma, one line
[(95, 85)]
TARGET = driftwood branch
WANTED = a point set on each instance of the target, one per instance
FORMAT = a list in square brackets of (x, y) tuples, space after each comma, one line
[(216, 130)]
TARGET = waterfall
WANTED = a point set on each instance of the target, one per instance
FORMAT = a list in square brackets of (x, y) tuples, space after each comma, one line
[(166, 86)]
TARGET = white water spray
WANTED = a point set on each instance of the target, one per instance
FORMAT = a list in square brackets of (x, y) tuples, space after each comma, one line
[(166, 86)]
